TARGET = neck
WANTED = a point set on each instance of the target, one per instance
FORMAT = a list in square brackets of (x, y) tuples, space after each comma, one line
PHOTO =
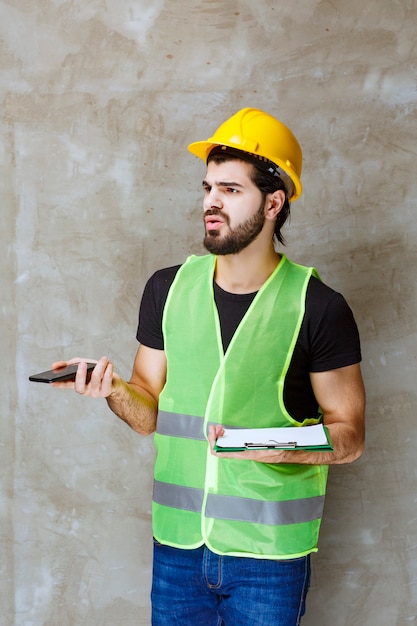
[(246, 271)]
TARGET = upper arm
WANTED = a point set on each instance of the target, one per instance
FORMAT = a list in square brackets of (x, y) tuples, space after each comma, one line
[(341, 395), (149, 371)]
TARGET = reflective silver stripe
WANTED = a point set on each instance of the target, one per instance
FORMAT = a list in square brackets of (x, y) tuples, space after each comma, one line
[(239, 509), (180, 425), (178, 497), (261, 512)]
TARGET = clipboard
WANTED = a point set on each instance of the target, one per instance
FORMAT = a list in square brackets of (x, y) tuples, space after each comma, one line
[(312, 438)]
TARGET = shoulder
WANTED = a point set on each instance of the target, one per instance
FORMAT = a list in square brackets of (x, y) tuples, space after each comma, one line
[(162, 279), (329, 331), (159, 284), (322, 300), (149, 331), (164, 276)]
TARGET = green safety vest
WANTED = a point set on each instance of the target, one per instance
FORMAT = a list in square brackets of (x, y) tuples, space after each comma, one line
[(235, 507)]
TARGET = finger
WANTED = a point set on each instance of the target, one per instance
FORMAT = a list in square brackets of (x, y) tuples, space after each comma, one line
[(211, 434), (58, 365), (214, 432), (80, 382), (100, 381), (107, 380), (63, 384), (83, 377), (77, 359)]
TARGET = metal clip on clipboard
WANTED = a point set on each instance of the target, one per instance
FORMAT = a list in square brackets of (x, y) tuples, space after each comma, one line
[(271, 444)]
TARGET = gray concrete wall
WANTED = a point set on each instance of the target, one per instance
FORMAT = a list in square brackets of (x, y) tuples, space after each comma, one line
[(99, 100)]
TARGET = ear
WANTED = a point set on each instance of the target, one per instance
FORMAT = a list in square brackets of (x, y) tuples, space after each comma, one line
[(274, 203)]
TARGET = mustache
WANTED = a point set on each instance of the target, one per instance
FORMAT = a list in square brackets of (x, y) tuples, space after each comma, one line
[(218, 212)]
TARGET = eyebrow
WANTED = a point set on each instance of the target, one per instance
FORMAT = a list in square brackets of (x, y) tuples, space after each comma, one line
[(222, 184)]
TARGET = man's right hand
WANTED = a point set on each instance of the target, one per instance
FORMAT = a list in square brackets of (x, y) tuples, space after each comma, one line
[(99, 384), (135, 401)]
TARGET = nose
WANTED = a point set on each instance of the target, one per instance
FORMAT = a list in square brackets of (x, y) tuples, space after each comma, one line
[(212, 199)]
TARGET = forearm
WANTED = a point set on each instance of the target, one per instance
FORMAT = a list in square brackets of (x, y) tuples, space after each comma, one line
[(347, 447), (134, 405)]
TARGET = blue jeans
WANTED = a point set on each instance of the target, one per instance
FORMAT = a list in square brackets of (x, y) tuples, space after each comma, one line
[(200, 588)]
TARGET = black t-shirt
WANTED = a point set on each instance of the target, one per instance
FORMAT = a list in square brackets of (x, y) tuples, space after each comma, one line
[(328, 337)]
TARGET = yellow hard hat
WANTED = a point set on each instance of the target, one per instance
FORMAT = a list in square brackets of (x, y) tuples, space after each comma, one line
[(262, 136)]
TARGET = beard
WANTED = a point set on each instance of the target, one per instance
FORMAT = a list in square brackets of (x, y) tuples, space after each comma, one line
[(236, 239)]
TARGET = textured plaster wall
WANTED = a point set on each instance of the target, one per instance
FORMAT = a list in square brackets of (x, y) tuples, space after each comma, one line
[(98, 102)]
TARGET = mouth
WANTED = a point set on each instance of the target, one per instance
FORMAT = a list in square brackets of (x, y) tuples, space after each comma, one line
[(213, 222)]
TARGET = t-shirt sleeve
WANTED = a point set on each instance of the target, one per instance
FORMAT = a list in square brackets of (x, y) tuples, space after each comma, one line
[(333, 333), (149, 331)]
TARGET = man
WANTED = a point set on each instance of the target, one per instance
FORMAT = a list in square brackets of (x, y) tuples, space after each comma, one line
[(240, 337)]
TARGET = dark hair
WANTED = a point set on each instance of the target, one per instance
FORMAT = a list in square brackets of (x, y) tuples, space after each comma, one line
[(266, 183)]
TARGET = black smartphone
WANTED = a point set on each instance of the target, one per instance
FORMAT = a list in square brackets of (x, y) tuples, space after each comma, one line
[(63, 373)]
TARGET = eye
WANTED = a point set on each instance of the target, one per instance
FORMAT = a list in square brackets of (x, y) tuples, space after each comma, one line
[(232, 190)]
